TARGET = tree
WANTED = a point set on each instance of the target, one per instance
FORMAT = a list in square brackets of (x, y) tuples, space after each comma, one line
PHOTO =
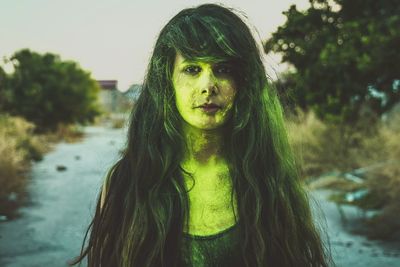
[(48, 91), (345, 56), (3, 78)]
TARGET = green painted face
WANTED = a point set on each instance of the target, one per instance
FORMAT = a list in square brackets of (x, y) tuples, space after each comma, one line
[(197, 83)]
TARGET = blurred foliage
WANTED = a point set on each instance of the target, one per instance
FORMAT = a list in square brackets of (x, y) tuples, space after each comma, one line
[(384, 183), (328, 150), (324, 147), (47, 91), (345, 57), (18, 147), (3, 87)]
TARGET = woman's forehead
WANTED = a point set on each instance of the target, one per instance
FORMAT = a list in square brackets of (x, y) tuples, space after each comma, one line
[(180, 59)]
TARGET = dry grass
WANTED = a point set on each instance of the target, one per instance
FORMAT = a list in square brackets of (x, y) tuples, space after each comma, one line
[(66, 133), (384, 183), (118, 123), (323, 148), (18, 147), (113, 120)]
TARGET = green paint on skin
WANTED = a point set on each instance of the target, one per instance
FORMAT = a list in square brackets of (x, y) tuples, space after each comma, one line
[(211, 208), (195, 83)]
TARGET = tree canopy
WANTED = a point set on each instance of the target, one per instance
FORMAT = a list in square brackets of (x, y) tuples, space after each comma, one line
[(3, 77), (48, 91), (345, 56)]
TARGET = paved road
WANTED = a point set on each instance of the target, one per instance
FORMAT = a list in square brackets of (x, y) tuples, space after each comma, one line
[(351, 250), (50, 230)]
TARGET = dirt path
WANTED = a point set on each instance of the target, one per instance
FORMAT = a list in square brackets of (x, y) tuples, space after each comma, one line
[(350, 250), (51, 229)]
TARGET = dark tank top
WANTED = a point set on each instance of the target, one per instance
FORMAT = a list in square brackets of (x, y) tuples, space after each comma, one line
[(217, 250)]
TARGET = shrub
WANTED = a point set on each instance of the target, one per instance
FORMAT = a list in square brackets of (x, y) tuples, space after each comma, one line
[(18, 147), (321, 147), (384, 182), (48, 91), (69, 133)]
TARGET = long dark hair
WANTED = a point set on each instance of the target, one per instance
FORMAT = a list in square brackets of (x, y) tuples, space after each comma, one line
[(146, 205)]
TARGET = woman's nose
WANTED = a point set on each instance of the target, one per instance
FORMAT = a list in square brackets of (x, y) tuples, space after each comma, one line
[(209, 90), (210, 85)]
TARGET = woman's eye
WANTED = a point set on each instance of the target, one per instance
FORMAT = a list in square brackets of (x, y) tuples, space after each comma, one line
[(223, 69), (192, 70)]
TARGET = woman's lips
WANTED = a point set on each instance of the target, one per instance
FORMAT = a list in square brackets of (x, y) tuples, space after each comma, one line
[(209, 108)]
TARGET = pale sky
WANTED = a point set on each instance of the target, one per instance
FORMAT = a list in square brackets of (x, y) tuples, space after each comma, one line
[(113, 39)]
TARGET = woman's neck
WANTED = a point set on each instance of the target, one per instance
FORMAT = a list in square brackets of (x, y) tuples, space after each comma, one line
[(203, 147)]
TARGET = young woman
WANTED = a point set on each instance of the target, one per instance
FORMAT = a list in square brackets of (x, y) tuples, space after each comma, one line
[(207, 177)]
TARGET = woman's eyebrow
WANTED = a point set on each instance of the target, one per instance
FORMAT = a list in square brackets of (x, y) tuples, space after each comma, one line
[(190, 61), (223, 62), (213, 63)]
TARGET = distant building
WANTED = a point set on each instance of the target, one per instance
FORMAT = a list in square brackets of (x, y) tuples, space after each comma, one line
[(132, 94), (109, 94)]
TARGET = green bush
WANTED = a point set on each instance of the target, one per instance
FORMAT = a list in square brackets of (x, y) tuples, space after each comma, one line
[(48, 91)]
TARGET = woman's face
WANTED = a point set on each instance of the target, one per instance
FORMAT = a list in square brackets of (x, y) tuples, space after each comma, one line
[(204, 92)]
